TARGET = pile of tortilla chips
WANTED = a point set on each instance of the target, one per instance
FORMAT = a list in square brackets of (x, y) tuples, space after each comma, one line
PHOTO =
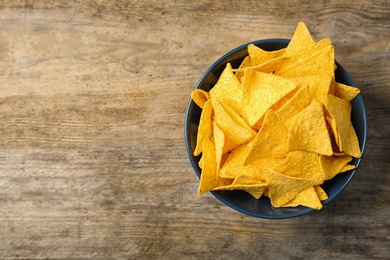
[(279, 125)]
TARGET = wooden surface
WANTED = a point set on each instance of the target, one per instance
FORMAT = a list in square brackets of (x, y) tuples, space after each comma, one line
[(93, 162)]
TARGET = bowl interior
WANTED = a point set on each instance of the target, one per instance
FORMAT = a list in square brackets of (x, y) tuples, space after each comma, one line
[(240, 200)]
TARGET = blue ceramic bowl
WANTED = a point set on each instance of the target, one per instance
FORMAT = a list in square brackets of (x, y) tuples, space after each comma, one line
[(240, 200)]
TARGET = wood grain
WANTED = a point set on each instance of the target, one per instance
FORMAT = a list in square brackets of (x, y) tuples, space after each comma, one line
[(93, 162)]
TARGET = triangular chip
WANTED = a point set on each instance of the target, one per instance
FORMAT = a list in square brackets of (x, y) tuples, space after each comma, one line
[(219, 141), (270, 141), (345, 92), (308, 131), (261, 92), (317, 85), (301, 40), (205, 128), (333, 165), (228, 90), (316, 60), (209, 177), (259, 56), (345, 135), (200, 97), (321, 193), (234, 165), (282, 188), (307, 198), (294, 105), (235, 132), (302, 164)]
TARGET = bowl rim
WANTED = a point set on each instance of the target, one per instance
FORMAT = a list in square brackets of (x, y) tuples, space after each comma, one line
[(302, 209)]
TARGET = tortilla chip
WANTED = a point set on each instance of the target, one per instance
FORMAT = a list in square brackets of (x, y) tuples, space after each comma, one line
[(282, 188), (302, 164), (261, 92), (228, 90), (345, 135), (333, 165), (205, 128), (270, 141), (200, 97), (308, 131), (307, 197), (301, 40), (345, 92)]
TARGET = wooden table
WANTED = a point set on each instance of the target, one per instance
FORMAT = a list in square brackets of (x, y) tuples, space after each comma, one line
[(93, 161)]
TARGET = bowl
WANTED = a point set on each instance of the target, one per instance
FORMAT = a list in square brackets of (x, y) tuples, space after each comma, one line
[(240, 200)]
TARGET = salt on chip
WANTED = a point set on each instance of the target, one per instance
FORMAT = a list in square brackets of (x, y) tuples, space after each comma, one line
[(308, 131), (261, 91), (270, 141), (345, 135)]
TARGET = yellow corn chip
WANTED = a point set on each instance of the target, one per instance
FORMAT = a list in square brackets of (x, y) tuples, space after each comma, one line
[(261, 92), (302, 164), (200, 97), (307, 197), (270, 141), (282, 188), (228, 90), (333, 165), (205, 128), (300, 41), (345, 135), (308, 131), (345, 92)]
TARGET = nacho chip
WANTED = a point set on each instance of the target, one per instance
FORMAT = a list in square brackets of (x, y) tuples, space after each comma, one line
[(307, 197), (345, 135), (234, 165), (300, 41), (333, 165), (308, 131), (320, 193), (228, 90), (205, 128), (261, 92), (253, 187), (316, 60), (200, 97), (302, 164), (282, 188), (208, 178), (270, 141), (235, 133), (345, 92), (294, 105), (259, 56)]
